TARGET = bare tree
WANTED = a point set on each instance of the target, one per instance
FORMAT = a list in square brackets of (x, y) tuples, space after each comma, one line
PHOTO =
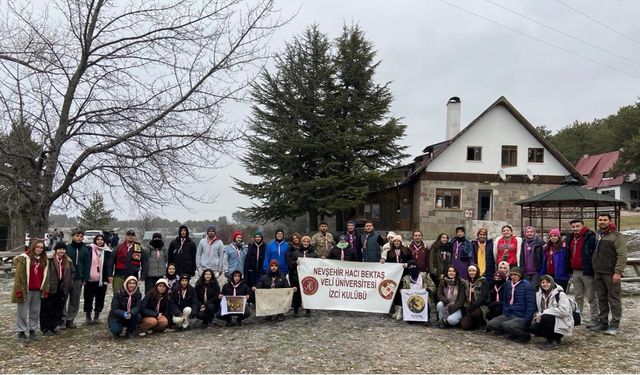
[(124, 95)]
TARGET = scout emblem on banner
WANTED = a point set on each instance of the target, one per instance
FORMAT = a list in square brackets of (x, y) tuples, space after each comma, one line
[(349, 286), (273, 301), (232, 305), (415, 305)]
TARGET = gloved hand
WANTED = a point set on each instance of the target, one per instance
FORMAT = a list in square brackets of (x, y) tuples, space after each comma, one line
[(126, 315)]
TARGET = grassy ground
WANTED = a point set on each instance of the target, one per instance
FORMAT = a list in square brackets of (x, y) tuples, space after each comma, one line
[(630, 222)]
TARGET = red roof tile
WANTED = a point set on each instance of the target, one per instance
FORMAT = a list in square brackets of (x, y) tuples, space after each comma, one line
[(594, 168)]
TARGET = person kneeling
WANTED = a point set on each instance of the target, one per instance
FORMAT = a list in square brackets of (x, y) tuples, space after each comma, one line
[(554, 318), (155, 309), (207, 292), (184, 303), (451, 297), (125, 308), (236, 287), (273, 279)]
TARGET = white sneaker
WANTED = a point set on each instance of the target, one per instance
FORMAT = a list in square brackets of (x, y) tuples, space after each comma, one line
[(612, 331)]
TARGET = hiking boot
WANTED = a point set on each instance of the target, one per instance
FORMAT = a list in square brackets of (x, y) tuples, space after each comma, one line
[(592, 324), (70, 324), (524, 339), (307, 313), (550, 345), (96, 318), (88, 319), (600, 327), (48, 333), (612, 331), (33, 336), (280, 317), (295, 313), (239, 322), (23, 337)]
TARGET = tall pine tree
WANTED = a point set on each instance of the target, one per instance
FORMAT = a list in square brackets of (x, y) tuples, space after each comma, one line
[(321, 134), (95, 216)]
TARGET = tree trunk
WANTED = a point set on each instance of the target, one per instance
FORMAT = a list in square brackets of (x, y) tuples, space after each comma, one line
[(38, 223), (340, 224), (313, 219)]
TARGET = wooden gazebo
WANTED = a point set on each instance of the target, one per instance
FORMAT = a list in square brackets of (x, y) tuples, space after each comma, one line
[(570, 201)]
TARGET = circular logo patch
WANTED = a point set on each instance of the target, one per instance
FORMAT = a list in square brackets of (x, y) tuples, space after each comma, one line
[(309, 285), (386, 288), (416, 304)]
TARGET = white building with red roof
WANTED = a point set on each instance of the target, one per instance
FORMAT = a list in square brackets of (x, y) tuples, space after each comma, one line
[(595, 169)]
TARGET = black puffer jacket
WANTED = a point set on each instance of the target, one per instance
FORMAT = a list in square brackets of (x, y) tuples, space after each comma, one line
[(279, 281), (150, 303), (183, 255), (179, 302), (119, 304)]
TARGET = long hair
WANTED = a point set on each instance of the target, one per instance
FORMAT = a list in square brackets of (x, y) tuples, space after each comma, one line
[(32, 250)]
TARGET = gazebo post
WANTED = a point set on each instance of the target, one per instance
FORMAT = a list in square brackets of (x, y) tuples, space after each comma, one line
[(560, 216), (541, 220), (595, 216), (521, 217), (617, 207)]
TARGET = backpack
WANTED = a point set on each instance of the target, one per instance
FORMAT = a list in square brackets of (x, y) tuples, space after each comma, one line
[(575, 310)]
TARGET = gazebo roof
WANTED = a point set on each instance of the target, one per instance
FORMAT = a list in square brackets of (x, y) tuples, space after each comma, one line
[(570, 195)]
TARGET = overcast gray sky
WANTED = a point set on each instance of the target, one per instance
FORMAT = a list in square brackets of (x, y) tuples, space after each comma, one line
[(432, 50)]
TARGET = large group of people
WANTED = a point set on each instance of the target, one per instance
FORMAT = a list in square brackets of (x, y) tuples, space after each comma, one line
[(508, 285)]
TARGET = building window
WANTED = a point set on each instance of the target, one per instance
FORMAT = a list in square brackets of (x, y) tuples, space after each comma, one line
[(611, 193), (536, 155), (474, 153), (509, 156), (448, 198), (372, 211), (634, 194)]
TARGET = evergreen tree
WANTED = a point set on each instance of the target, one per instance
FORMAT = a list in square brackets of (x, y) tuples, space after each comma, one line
[(95, 216), (321, 134)]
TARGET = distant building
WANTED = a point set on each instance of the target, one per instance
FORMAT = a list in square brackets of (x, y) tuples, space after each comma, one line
[(473, 177), (595, 169)]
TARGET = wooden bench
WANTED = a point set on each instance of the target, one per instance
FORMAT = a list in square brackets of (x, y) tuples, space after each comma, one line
[(635, 263)]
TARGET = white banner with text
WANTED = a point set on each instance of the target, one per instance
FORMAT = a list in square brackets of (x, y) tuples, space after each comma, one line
[(348, 286)]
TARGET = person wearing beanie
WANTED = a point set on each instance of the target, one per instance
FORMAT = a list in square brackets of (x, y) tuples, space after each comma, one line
[(273, 279), (353, 239), (125, 308), (451, 298), (476, 297), (78, 252), (155, 309), (98, 273), (30, 285), (554, 316), (183, 303), (235, 254), (323, 241), (582, 243), (518, 307), (531, 255), (496, 295), (342, 251), (182, 252), (128, 260), (60, 283), (416, 279), (304, 251), (210, 253), (277, 249), (235, 287), (253, 263), (555, 259), (207, 293), (156, 257), (482, 252), (461, 252)]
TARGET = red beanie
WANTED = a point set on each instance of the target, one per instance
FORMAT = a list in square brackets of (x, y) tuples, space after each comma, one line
[(274, 261), (235, 235)]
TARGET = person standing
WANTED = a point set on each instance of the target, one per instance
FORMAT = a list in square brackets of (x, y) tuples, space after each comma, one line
[(210, 253), (531, 255), (609, 261), (482, 249), (304, 251), (323, 241), (79, 254), (182, 252), (114, 240), (555, 259), (60, 282), (461, 254), (439, 258), (155, 255), (419, 252), (372, 242), (30, 285), (342, 251), (508, 247), (98, 274), (127, 260), (277, 249), (235, 255), (255, 259), (582, 243), (353, 239)]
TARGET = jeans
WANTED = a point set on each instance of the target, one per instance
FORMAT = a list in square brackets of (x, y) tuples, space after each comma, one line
[(119, 324), (510, 325), (453, 319)]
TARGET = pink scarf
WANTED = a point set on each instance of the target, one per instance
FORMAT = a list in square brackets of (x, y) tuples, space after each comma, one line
[(513, 291)]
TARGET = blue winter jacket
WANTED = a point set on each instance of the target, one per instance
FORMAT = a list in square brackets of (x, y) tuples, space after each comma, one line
[(281, 257), (524, 300), (561, 263)]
